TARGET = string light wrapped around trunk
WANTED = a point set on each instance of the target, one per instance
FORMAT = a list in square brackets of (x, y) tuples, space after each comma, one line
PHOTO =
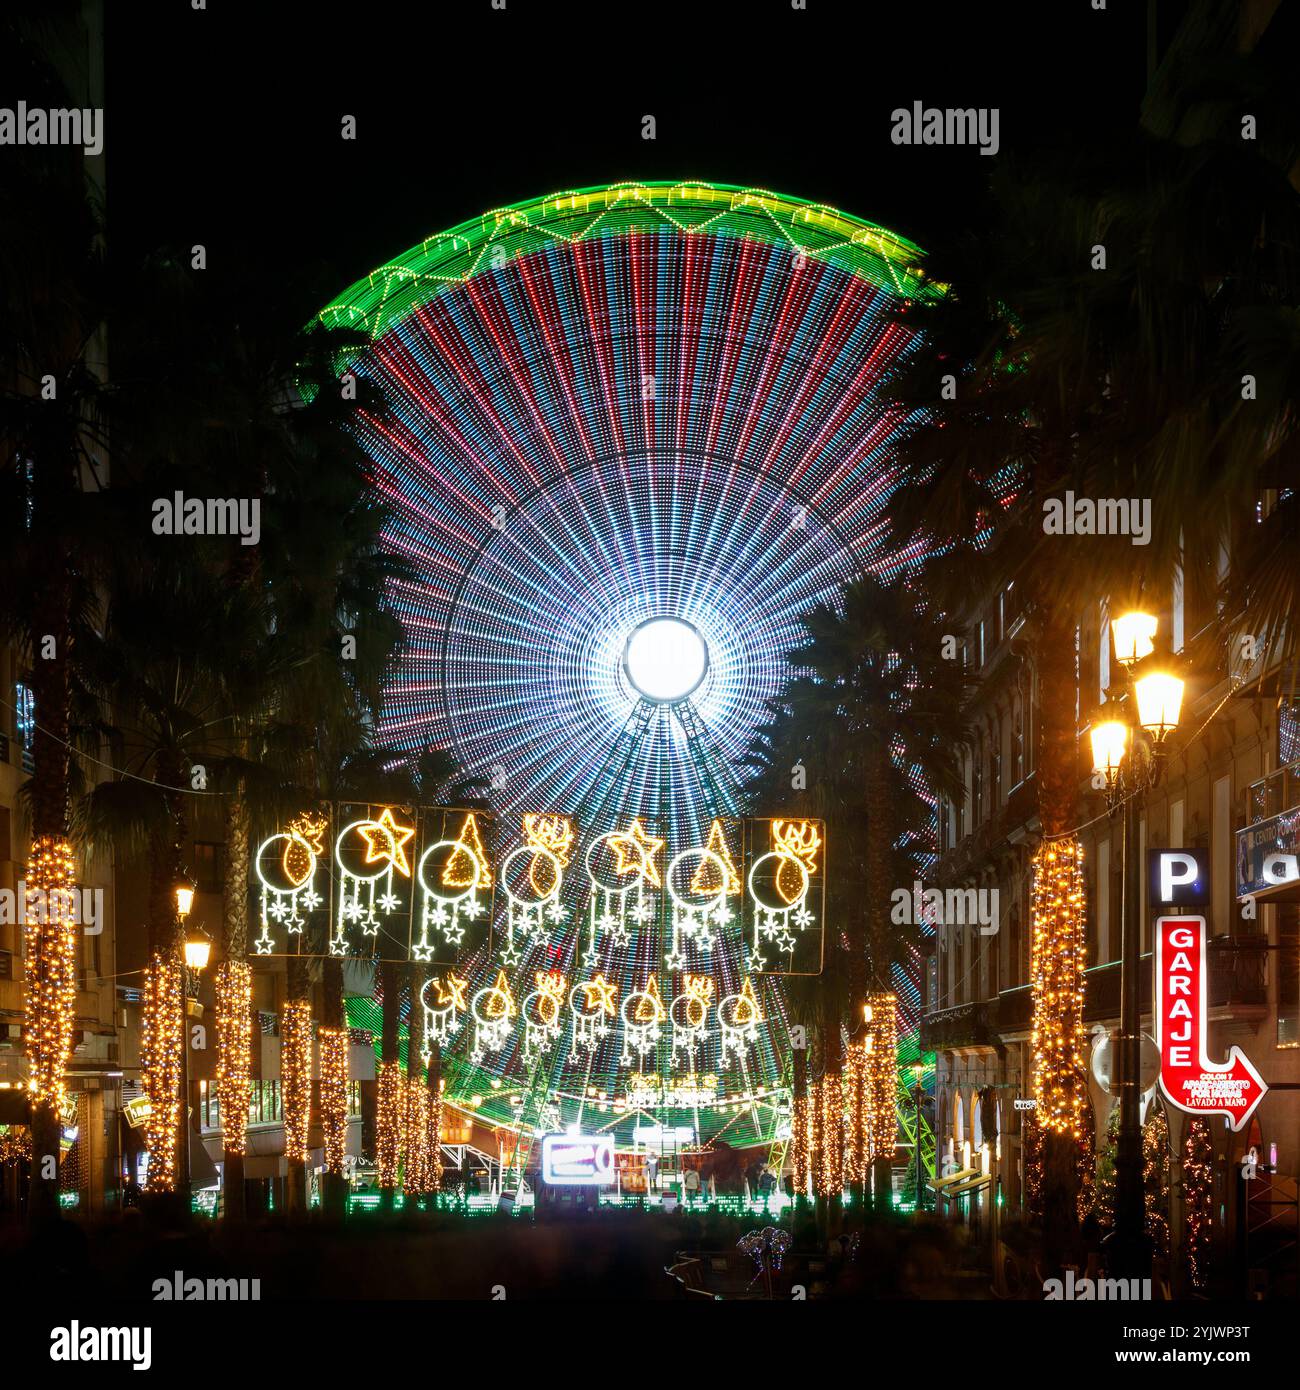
[(882, 1078), (435, 1137), (815, 1136), (234, 990), (1056, 975), (1155, 1179), (857, 1084), (1198, 1199), (830, 1153), (295, 1077), (415, 1177), (334, 1048), (50, 968), (390, 1113), (801, 1136), (162, 1035)]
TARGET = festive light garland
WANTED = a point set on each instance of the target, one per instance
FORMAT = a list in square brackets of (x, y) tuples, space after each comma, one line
[(162, 1037), (416, 1171), (801, 1136), (389, 1118), (234, 990), (435, 1138), (882, 1078), (334, 1047), (15, 1145), (295, 1077), (1198, 1200), (857, 1085), (1056, 974), (50, 968), (830, 1155), (1155, 1179)]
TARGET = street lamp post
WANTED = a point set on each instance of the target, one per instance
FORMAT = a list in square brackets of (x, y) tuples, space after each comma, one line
[(1128, 749), (195, 951)]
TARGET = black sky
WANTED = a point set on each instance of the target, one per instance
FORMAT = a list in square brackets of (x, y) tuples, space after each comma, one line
[(224, 125)]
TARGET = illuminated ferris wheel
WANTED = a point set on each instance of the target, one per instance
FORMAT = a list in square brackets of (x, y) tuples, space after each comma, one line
[(634, 434)]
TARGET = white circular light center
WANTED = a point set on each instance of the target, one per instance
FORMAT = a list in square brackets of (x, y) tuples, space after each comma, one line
[(665, 659)]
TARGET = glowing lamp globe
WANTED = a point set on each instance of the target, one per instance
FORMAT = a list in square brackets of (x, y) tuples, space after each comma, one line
[(197, 951), (1159, 701), (666, 659), (1133, 636), (1109, 739)]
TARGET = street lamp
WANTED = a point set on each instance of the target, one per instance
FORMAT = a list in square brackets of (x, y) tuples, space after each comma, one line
[(196, 950), (1134, 637), (1128, 754)]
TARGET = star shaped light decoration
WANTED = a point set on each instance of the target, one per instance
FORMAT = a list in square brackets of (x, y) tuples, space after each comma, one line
[(395, 839), (450, 989), (635, 852), (600, 994)]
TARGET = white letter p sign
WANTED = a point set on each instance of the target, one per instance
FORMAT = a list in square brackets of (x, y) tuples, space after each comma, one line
[(1175, 868)]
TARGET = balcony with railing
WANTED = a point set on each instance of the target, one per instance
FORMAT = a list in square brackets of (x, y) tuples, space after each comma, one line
[(1236, 981), (1268, 847)]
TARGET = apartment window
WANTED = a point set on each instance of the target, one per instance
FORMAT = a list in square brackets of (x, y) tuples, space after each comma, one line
[(995, 767), (25, 722), (1103, 655), (1288, 733), (1018, 741), (207, 866), (977, 782), (264, 1103), (1221, 851), (1013, 932), (1178, 615)]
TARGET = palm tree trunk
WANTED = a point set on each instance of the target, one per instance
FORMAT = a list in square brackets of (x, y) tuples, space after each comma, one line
[(299, 992), (417, 1093), (51, 948), (163, 1066), (875, 950), (389, 1120), (334, 1184), (800, 1121), (1057, 774), (235, 1012), (433, 1079)]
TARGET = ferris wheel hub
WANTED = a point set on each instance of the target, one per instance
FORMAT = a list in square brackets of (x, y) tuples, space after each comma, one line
[(666, 659)]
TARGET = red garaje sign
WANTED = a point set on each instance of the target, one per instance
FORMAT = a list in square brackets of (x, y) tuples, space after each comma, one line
[(1187, 1077)]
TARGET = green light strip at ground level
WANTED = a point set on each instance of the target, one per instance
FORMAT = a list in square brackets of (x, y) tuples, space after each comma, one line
[(388, 294)]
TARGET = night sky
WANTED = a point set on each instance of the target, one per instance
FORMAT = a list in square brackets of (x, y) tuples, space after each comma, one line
[(223, 127)]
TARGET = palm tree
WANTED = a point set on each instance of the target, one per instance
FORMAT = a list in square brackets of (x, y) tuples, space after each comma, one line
[(877, 717), (1118, 381), (177, 655), (52, 438)]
